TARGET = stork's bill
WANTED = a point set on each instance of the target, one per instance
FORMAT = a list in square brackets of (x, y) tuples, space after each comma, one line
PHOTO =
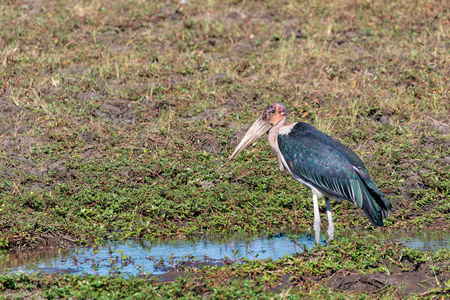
[(270, 117)]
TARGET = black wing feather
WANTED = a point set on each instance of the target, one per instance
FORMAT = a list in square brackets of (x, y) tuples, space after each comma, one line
[(329, 166)]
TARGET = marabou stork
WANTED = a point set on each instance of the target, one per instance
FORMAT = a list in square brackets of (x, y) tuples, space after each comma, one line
[(321, 163)]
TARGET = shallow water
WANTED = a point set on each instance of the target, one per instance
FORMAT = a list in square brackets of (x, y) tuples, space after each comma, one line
[(143, 257)]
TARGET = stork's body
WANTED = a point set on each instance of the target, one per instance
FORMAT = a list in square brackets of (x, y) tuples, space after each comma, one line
[(321, 163)]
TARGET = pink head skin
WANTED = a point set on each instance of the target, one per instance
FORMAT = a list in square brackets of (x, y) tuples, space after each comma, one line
[(273, 115)]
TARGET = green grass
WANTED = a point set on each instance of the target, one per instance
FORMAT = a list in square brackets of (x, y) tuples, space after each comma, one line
[(306, 274), (117, 118), (140, 79)]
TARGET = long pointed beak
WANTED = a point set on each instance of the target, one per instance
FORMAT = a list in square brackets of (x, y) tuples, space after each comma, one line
[(258, 129)]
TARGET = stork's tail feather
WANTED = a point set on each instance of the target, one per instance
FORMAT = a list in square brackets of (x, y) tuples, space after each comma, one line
[(375, 204)]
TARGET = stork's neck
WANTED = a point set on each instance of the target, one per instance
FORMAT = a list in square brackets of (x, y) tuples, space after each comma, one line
[(273, 142)]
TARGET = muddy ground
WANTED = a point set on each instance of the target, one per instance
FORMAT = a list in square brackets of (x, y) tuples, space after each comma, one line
[(117, 119), (418, 279)]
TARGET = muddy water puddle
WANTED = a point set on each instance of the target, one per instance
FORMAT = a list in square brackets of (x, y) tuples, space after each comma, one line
[(137, 257)]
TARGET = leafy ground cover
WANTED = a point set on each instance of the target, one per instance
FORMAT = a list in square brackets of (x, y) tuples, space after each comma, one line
[(346, 269), (117, 118)]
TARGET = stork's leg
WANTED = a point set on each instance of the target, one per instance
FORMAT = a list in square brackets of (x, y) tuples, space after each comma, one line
[(316, 218), (330, 221)]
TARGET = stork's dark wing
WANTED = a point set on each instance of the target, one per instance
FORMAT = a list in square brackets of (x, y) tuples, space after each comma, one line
[(329, 166)]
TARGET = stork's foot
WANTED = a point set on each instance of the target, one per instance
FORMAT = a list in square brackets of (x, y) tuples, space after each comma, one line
[(316, 218), (330, 221), (330, 232), (317, 231)]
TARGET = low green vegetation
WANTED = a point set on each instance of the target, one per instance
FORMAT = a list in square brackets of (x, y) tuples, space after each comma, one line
[(320, 272), (117, 120)]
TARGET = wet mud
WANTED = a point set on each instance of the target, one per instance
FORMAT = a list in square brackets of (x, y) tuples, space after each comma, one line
[(405, 278)]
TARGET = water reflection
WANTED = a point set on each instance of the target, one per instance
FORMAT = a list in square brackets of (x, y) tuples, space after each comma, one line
[(143, 257), (15, 258), (426, 240)]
